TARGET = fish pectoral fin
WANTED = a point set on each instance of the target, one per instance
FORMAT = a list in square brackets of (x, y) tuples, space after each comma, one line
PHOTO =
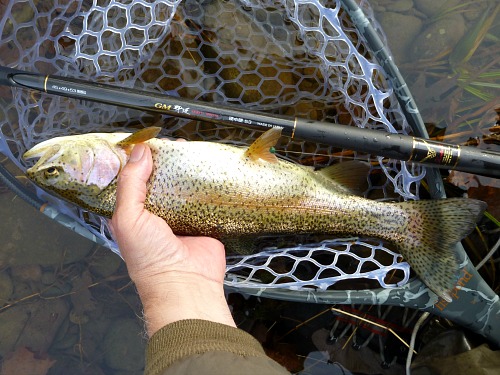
[(263, 147), (351, 174), (140, 136)]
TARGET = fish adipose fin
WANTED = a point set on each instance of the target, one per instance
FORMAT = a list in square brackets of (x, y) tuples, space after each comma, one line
[(427, 241), (140, 136), (263, 147)]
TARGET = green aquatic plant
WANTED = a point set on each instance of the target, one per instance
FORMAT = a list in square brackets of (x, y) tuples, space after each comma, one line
[(475, 82), (471, 41), (462, 79)]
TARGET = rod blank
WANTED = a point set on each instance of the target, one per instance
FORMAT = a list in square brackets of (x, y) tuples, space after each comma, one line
[(390, 145)]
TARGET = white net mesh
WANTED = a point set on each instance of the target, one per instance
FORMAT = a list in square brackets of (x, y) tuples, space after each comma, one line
[(302, 58), (320, 266)]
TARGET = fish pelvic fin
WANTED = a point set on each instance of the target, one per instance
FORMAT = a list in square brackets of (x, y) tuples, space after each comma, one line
[(243, 245), (263, 147), (140, 136), (428, 241)]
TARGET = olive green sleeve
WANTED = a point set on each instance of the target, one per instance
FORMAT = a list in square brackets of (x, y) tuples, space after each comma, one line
[(204, 347)]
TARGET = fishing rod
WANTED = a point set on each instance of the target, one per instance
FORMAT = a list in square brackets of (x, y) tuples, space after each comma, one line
[(390, 145)]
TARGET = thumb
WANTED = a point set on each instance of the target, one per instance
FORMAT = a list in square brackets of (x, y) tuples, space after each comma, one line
[(131, 186)]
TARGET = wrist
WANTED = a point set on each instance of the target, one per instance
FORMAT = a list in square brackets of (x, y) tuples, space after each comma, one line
[(179, 296)]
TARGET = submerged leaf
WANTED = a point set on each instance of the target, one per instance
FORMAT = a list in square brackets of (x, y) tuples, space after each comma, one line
[(479, 187), (22, 361)]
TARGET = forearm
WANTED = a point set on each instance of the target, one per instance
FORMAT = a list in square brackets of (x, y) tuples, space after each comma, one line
[(178, 297)]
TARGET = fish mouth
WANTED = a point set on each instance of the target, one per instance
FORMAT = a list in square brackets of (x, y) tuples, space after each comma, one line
[(40, 149), (44, 151), (33, 153)]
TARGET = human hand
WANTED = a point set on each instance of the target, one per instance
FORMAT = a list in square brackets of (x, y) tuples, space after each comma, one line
[(176, 277)]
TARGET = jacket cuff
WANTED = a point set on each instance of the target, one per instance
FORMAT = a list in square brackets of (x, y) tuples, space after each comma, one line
[(193, 336)]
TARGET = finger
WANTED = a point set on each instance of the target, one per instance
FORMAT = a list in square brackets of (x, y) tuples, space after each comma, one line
[(131, 187)]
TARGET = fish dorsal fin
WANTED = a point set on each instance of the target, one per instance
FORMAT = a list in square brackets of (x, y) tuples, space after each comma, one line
[(351, 174), (263, 147), (140, 136)]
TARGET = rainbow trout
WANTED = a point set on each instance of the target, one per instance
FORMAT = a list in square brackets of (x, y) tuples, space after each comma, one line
[(228, 192)]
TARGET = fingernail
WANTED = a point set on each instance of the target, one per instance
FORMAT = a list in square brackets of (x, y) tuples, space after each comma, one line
[(137, 153)]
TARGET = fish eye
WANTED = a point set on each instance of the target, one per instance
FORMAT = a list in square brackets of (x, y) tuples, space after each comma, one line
[(51, 172)]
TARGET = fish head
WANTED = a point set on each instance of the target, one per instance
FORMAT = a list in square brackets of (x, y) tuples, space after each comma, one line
[(78, 165)]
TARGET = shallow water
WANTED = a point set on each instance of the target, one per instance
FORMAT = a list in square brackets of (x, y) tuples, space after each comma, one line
[(64, 297)]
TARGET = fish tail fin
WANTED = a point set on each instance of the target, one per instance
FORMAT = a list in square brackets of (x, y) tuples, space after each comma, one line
[(427, 241)]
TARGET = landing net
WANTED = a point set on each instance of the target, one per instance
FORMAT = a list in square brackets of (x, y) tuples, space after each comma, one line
[(300, 58)]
